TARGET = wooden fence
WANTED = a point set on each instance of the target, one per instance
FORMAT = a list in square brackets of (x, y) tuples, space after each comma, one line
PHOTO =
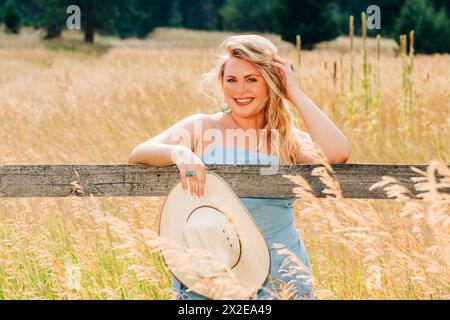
[(141, 180)]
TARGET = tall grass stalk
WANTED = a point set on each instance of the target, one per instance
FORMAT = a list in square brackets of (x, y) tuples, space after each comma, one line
[(341, 78), (366, 77), (405, 73), (327, 85), (377, 103), (298, 46), (351, 105), (410, 80), (335, 90)]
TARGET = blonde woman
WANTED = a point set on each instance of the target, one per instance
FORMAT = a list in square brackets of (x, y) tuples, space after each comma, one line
[(251, 84)]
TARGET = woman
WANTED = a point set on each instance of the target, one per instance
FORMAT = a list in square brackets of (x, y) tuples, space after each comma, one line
[(252, 83)]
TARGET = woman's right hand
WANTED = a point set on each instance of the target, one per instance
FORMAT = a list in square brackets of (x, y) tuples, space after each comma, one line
[(186, 160)]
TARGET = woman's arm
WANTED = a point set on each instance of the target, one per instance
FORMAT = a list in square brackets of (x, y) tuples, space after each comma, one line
[(323, 131), (156, 154), (179, 139), (175, 145)]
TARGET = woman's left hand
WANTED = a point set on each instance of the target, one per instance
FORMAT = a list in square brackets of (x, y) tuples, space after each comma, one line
[(289, 76)]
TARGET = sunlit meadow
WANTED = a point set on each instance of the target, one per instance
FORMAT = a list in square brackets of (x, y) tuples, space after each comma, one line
[(63, 102)]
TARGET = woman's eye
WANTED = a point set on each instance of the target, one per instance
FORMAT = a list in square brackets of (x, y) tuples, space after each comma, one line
[(250, 80)]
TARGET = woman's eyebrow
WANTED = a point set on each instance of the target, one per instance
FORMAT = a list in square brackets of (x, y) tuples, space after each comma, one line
[(255, 75)]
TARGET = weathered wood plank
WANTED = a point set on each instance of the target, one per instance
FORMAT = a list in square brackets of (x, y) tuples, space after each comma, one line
[(141, 180)]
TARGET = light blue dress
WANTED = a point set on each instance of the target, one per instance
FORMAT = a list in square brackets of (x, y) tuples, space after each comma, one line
[(275, 218)]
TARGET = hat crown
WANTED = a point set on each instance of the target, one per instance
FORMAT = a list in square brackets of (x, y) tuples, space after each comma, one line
[(208, 229)]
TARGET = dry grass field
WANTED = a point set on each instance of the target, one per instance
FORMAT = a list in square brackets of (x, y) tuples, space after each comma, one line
[(62, 102)]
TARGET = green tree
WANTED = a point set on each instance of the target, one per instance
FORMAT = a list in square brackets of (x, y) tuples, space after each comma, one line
[(54, 18), (431, 28), (99, 16), (11, 17), (196, 14), (439, 4), (175, 19), (213, 18), (140, 17), (31, 11), (244, 15), (314, 20)]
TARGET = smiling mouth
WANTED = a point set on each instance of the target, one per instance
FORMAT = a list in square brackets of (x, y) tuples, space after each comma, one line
[(243, 102)]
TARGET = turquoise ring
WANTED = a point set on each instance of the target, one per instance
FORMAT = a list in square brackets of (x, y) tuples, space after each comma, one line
[(190, 173)]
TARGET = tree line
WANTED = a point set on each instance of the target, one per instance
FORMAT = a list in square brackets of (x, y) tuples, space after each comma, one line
[(314, 20)]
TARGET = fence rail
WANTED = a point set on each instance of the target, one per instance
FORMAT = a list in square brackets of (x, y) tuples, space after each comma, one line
[(141, 180)]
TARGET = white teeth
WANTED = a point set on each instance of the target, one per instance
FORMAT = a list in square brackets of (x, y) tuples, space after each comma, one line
[(245, 100)]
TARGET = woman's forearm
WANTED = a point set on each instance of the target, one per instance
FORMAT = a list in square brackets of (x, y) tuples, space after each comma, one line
[(156, 154), (323, 131)]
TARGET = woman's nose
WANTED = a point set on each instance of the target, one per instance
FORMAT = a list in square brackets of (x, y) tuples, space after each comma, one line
[(240, 88)]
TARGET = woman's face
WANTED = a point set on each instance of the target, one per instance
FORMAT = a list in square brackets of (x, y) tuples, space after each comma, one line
[(244, 88)]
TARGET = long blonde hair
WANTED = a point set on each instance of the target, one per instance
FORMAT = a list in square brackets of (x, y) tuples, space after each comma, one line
[(259, 51)]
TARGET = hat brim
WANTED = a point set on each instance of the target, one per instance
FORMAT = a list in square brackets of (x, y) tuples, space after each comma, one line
[(253, 268)]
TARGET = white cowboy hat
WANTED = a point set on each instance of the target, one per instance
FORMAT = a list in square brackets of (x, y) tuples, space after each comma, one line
[(221, 225)]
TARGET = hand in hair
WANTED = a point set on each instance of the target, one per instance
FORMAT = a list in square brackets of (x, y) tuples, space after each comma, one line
[(289, 75)]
